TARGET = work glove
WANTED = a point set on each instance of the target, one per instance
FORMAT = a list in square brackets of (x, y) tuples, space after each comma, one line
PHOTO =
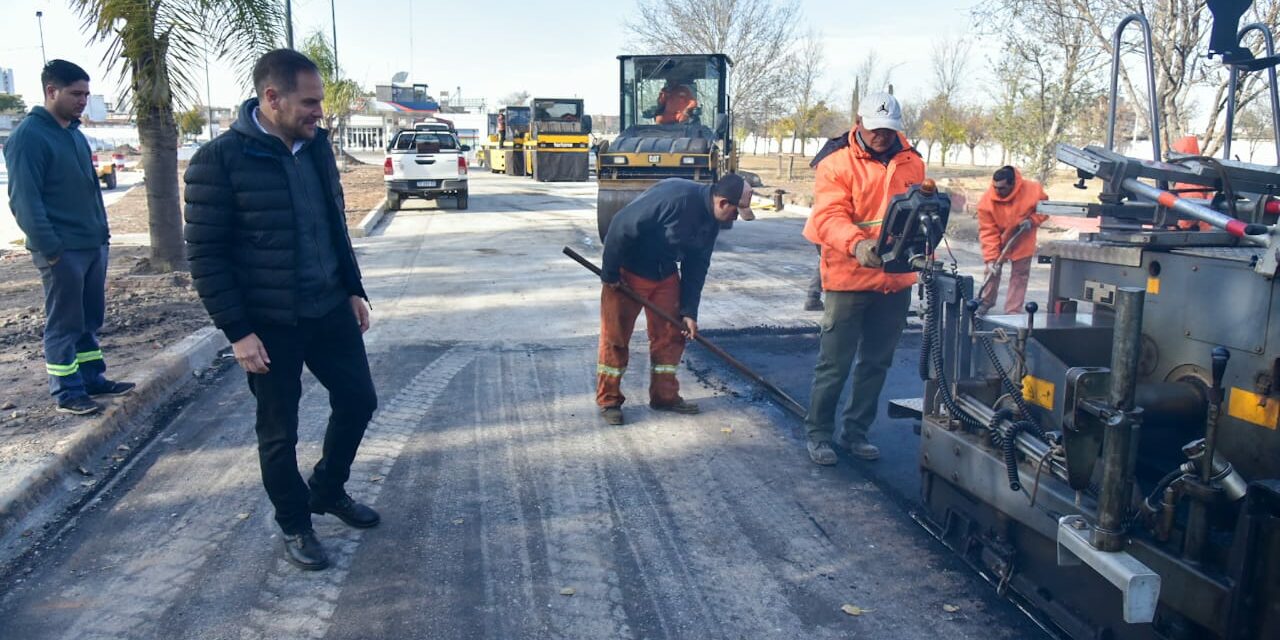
[(1023, 226), (988, 268), (865, 253)]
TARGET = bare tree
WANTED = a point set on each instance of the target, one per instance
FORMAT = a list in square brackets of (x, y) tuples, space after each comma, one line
[(756, 34), (869, 76), (806, 72), (912, 120), (949, 60), (977, 127), (515, 98), (1180, 30), (1046, 77)]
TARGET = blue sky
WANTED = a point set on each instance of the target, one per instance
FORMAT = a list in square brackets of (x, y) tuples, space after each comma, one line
[(495, 47)]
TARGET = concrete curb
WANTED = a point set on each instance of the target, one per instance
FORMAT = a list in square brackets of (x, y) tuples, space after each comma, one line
[(370, 221), (157, 380)]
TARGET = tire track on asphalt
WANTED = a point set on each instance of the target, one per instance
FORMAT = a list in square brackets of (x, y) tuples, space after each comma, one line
[(578, 529), (296, 604), (133, 591)]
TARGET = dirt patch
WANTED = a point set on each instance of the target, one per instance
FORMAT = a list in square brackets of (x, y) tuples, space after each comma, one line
[(361, 184), (363, 188), (145, 313)]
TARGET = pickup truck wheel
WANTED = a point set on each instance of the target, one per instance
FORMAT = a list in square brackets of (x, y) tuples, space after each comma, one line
[(393, 201), (462, 200), (110, 180)]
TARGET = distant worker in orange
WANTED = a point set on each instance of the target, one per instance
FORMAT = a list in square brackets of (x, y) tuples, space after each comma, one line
[(676, 105), (1190, 145), (1008, 209)]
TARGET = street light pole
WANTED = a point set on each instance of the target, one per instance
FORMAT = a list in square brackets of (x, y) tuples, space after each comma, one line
[(288, 23), (40, 23), (208, 93), (337, 75)]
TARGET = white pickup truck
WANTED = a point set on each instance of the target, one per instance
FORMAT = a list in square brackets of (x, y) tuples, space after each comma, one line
[(425, 164)]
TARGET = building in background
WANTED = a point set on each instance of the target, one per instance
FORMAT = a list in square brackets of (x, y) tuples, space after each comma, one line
[(6, 81)]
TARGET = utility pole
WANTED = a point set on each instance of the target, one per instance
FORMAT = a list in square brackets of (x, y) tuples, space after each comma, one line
[(40, 23), (208, 93), (337, 76), (288, 23)]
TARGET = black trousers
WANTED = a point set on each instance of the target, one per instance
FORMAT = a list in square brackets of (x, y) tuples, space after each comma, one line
[(332, 348)]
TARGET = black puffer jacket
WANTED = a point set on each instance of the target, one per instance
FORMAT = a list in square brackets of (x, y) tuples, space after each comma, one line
[(241, 230)]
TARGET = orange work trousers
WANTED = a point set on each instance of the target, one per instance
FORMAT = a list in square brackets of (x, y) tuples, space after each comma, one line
[(618, 314)]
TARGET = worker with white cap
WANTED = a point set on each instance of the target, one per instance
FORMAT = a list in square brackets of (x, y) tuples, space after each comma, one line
[(865, 309)]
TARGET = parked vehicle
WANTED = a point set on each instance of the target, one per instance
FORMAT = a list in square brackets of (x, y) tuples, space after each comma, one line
[(107, 171), (425, 164)]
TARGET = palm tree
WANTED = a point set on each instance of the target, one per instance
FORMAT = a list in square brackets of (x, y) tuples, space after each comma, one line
[(159, 47), (339, 94)]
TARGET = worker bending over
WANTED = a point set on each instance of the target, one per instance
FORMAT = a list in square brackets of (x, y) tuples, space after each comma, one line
[(1008, 209), (866, 308), (674, 221)]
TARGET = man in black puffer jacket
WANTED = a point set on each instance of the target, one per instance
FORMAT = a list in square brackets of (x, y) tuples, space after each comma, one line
[(273, 264)]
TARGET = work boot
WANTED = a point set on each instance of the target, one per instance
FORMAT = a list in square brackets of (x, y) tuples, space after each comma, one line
[(860, 449), (79, 405), (349, 511), (112, 388), (822, 453), (814, 304), (612, 415), (679, 406), (305, 552)]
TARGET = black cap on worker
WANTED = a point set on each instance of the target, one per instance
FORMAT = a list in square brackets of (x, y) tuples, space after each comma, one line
[(736, 190)]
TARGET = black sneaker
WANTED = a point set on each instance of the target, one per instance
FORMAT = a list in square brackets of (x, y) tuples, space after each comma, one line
[(349, 511), (79, 405), (305, 552), (113, 389)]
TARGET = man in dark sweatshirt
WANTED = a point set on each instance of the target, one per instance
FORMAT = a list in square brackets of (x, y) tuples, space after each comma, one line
[(273, 264), (54, 194), (674, 221)]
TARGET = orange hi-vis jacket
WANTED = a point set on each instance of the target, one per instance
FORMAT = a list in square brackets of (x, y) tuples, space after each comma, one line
[(676, 103), (998, 218), (850, 194)]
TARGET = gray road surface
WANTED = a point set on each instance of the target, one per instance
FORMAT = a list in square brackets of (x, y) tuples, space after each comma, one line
[(500, 489)]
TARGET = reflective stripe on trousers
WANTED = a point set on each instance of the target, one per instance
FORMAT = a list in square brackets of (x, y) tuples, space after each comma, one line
[(618, 314)]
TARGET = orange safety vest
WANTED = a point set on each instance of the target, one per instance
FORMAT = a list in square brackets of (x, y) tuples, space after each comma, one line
[(851, 192)]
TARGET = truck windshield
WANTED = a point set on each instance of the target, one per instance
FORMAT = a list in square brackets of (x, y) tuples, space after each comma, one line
[(425, 142), (670, 90), (557, 110)]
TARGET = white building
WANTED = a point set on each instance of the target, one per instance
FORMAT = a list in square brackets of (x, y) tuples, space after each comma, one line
[(6, 81)]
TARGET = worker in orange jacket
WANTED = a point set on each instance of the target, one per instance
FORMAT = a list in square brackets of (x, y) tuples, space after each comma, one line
[(1008, 208), (866, 308), (676, 105)]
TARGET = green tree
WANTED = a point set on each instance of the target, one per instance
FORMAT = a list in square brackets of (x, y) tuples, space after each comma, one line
[(11, 103), (339, 94), (191, 122), (160, 47)]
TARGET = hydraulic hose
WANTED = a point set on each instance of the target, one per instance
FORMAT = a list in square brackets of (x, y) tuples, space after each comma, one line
[(933, 353), (1158, 493), (1006, 382)]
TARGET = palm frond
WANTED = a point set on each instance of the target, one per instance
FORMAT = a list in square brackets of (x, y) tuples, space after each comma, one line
[(159, 47)]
